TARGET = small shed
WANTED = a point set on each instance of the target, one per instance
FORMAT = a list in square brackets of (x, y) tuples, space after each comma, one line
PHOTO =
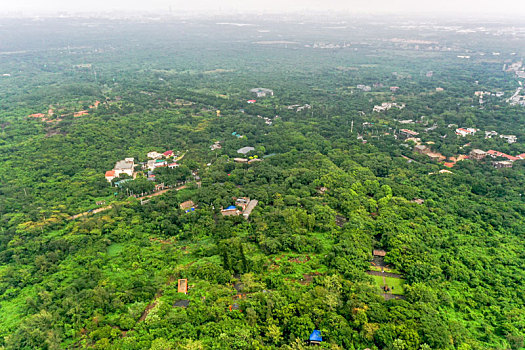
[(182, 286), (378, 252), (182, 303), (315, 337), (187, 205)]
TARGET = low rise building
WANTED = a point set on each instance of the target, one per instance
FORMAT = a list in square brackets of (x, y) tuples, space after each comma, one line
[(509, 138), (154, 155), (385, 106), (110, 175), (465, 131), (262, 92), (80, 113), (421, 149), (406, 133), (251, 205), (489, 134), (495, 154), (126, 166), (478, 154), (243, 205), (216, 145), (502, 164), (187, 205)]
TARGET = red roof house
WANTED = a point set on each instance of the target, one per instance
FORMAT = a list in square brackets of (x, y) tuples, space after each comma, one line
[(110, 175), (495, 154), (168, 154)]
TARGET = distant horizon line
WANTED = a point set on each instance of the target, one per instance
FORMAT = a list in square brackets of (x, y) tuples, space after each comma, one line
[(305, 13)]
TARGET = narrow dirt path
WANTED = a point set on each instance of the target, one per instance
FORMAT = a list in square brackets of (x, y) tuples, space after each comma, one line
[(98, 210), (152, 304)]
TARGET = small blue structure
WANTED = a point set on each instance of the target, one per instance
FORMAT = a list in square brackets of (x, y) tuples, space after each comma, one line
[(231, 207), (190, 210), (315, 337)]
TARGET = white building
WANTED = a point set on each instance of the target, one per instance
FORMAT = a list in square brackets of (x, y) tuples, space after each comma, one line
[(262, 92), (124, 167), (465, 131), (489, 134), (154, 155), (509, 138)]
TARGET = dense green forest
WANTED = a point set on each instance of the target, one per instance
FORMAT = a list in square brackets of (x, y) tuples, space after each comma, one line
[(83, 264)]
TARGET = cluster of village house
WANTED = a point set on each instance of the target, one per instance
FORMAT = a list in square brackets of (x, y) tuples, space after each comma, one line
[(488, 134), (385, 106), (243, 205), (516, 67), (476, 154), (260, 92), (51, 112), (244, 151), (299, 108), (156, 160), (367, 88), (481, 94)]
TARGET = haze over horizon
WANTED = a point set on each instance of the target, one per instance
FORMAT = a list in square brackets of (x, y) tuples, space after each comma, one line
[(483, 8)]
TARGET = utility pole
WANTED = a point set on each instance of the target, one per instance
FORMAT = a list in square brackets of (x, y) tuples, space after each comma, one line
[(352, 127)]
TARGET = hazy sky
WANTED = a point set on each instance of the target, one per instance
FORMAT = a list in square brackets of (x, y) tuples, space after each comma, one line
[(463, 7)]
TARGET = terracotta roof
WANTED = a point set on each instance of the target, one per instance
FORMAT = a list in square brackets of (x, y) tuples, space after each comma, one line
[(449, 164), (379, 252), (406, 131), (186, 205), (501, 154), (80, 113), (168, 153), (110, 173)]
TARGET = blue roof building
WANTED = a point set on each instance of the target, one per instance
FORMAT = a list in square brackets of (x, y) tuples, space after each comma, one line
[(315, 337)]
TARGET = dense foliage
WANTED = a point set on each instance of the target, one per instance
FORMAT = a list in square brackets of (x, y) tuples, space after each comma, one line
[(327, 198)]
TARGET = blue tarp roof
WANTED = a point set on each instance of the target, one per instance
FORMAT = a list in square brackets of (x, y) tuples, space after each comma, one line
[(316, 336), (231, 207)]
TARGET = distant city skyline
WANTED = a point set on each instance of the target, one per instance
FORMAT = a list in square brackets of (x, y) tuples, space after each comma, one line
[(514, 8)]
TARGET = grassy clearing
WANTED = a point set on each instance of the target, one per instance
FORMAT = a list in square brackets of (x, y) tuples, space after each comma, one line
[(396, 283), (115, 249)]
